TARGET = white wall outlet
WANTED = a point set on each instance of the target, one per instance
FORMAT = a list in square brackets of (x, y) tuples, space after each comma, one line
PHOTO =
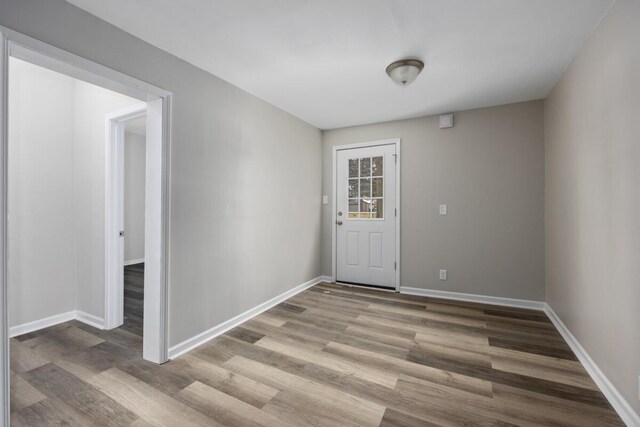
[(325, 199), (443, 274), (443, 209)]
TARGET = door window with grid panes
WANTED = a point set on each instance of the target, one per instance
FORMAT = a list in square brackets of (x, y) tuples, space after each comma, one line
[(366, 183)]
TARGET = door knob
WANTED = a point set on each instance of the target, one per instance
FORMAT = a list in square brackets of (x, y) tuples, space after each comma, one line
[(339, 222)]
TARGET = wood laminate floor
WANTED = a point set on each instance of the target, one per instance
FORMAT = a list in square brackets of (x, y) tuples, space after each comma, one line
[(133, 298), (332, 355)]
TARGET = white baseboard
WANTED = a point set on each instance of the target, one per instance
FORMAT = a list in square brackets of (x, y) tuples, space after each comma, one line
[(90, 319), (134, 261), (326, 279), (619, 403), (483, 299), (209, 334), (36, 325)]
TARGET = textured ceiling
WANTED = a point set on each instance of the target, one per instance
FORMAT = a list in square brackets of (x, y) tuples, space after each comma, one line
[(324, 60)]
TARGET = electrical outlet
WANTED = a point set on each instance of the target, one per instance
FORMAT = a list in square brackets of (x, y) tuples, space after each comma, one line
[(443, 274), (443, 209)]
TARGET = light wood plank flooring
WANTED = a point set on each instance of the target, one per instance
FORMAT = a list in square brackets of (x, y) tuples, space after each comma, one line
[(332, 355)]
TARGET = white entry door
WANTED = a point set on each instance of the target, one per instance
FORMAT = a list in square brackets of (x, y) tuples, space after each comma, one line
[(366, 216)]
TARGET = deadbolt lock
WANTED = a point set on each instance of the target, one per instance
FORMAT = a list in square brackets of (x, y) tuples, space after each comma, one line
[(339, 213)]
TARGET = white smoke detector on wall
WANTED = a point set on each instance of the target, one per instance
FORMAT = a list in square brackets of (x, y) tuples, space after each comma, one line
[(446, 121)]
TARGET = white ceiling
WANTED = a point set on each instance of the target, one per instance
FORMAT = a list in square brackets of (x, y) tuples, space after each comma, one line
[(324, 60)]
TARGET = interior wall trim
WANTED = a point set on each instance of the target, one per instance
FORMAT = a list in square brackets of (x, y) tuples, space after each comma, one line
[(619, 403), (203, 337), (89, 319), (36, 325), (483, 299), (56, 319)]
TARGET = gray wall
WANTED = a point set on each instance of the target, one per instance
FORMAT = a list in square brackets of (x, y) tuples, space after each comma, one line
[(134, 171), (489, 170), (42, 245), (593, 197), (245, 176), (92, 103)]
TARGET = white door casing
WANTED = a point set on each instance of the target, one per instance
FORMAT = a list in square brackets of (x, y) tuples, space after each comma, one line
[(365, 215), (4, 282)]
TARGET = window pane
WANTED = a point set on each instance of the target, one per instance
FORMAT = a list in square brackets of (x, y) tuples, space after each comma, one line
[(353, 188), (377, 210), (365, 166), (365, 187), (377, 187), (376, 166), (365, 205), (353, 168), (365, 193)]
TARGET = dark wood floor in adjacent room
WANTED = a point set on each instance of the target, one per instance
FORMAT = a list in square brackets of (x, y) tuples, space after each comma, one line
[(332, 355), (133, 298)]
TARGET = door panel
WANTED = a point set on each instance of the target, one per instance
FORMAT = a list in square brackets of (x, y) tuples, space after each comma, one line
[(375, 250), (366, 222), (353, 246)]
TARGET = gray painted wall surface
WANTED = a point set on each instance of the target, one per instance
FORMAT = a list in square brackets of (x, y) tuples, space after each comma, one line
[(134, 171), (489, 170), (593, 197), (245, 189), (42, 244)]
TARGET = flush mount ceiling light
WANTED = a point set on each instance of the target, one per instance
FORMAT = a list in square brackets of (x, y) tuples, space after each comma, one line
[(405, 71)]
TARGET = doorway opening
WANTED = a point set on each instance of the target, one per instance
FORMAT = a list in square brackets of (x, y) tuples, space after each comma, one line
[(134, 178), (18, 47), (125, 148)]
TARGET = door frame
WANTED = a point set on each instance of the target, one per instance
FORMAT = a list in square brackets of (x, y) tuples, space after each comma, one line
[(334, 198), (114, 211), (4, 275), (155, 347)]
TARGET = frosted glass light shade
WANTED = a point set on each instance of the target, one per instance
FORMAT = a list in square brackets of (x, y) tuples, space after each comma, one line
[(405, 71)]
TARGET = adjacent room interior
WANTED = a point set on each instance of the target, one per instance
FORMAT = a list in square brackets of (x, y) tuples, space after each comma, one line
[(134, 171), (382, 213), (57, 186)]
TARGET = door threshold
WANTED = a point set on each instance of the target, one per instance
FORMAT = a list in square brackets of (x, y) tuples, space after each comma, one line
[(364, 286)]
